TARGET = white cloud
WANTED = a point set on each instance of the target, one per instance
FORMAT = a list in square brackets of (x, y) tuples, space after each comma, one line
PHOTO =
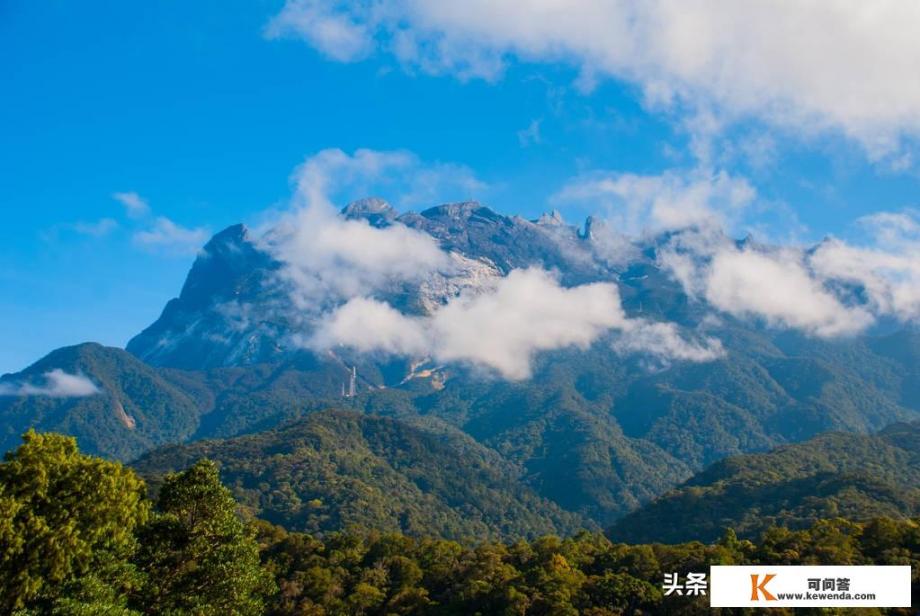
[(530, 135), (58, 384), (899, 230), (503, 327), (430, 183), (887, 270), (808, 66), (890, 281), (776, 285), (834, 289), (135, 206), (784, 287), (664, 341), (328, 257), (527, 312), (332, 175), (100, 228), (608, 245), (168, 236), (339, 268), (160, 233), (778, 288), (334, 33), (369, 325), (639, 204)]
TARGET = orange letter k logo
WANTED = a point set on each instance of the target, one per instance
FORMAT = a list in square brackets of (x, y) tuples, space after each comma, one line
[(761, 587)]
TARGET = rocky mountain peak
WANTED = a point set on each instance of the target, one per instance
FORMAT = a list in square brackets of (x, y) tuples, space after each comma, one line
[(225, 259), (593, 226), (461, 212), (235, 308), (551, 219), (201, 327), (231, 235), (374, 210)]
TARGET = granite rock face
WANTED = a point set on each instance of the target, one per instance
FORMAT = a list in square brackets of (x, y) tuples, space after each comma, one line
[(235, 307)]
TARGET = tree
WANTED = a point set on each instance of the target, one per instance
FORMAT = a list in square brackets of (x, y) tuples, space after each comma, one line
[(67, 523), (199, 556), (621, 592)]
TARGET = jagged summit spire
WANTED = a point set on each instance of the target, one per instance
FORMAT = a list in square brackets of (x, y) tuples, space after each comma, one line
[(592, 227), (553, 218)]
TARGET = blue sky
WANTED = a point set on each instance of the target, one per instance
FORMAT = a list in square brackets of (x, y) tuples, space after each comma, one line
[(204, 115)]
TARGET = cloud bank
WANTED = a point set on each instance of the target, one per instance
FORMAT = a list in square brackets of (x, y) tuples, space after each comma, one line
[(835, 289), (339, 270), (849, 66), (504, 327), (327, 257), (640, 204), (777, 287), (807, 68), (58, 384), (886, 269)]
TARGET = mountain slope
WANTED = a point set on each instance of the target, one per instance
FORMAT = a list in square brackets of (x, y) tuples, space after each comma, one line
[(135, 409), (235, 309), (202, 327), (602, 436), (597, 432), (847, 475), (771, 388), (336, 468)]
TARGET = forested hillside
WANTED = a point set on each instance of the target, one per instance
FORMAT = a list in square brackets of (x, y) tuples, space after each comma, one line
[(591, 434), (335, 469), (78, 535), (135, 408), (848, 475)]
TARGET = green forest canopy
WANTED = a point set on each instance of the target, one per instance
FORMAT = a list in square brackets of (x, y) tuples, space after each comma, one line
[(78, 535)]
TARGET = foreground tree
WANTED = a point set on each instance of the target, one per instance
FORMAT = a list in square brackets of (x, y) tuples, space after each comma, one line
[(77, 539), (198, 555), (67, 525)]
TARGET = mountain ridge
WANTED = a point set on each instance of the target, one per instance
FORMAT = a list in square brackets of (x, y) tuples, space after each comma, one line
[(595, 432), (337, 468), (854, 476)]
